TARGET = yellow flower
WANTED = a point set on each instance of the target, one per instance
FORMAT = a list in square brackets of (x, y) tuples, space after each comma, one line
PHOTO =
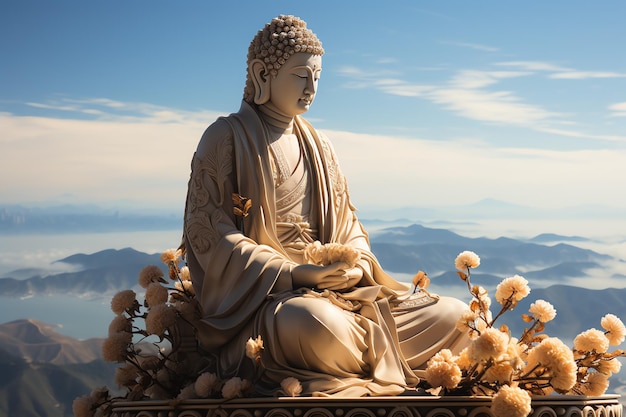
[(490, 344), (205, 384), (443, 374), (184, 274), (291, 386), (553, 359), (595, 384), (329, 253), (254, 347), (591, 340), (232, 388), (515, 353), (443, 371), (115, 347), (160, 318), (513, 288), (465, 260), (185, 286), (550, 351), (615, 329), (542, 311), (170, 256), (500, 372), (609, 367), (156, 294), (120, 323), (463, 360), (83, 406), (467, 321), (126, 376), (150, 274), (511, 402), (564, 375), (187, 393), (124, 301)]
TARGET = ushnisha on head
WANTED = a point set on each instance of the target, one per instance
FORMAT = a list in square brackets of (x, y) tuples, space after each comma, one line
[(284, 36)]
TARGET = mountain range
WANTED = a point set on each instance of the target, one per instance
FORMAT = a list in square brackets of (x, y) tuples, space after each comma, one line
[(104, 272), (42, 371), (404, 250)]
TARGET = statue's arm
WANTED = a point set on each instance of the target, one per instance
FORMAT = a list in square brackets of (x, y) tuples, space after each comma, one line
[(221, 258)]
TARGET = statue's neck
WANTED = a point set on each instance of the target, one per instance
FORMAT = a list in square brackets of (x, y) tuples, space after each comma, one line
[(280, 123)]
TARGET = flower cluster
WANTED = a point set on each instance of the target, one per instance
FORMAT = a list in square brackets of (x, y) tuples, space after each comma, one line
[(151, 353), (155, 343), (318, 254), (510, 369)]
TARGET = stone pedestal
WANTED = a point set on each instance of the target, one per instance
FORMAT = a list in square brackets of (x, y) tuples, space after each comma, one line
[(552, 406)]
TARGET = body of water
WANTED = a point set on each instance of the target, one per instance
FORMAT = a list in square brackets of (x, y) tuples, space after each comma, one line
[(85, 318), (74, 316)]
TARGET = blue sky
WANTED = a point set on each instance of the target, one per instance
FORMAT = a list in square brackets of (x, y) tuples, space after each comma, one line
[(427, 103)]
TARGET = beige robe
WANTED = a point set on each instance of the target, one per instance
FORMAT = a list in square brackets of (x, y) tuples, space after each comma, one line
[(360, 342)]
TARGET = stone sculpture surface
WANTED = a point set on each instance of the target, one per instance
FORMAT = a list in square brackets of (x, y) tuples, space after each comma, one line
[(276, 251)]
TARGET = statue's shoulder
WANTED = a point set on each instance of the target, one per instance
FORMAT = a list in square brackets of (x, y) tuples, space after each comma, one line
[(218, 134)]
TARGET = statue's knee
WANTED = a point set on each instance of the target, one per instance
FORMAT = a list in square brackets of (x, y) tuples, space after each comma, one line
[(308, 316), (454, 309)]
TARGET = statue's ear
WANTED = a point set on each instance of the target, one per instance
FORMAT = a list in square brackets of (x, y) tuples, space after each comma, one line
[(261, 79)]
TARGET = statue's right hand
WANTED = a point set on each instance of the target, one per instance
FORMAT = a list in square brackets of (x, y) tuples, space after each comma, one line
[(316, 276)]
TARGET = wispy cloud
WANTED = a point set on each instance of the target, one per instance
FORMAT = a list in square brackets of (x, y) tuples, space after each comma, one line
[(501, 107), (465, 94), (101, 158), (401, 88), (479, 79), (478, 95), (584, 75), (476, 46), (560, 72), (533, 66), (108, 109), (618, 109), (583, 135)]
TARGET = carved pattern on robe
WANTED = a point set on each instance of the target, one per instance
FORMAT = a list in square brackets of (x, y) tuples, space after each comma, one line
[(337, 178), (206, 196)]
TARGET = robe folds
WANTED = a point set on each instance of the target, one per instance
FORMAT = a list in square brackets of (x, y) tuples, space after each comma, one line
[(368, 340)]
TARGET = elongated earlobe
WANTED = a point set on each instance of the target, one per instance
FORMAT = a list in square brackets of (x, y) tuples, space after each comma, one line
[(261, 80)]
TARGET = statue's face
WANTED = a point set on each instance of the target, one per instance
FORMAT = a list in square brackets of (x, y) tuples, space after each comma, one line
[(293, 89)]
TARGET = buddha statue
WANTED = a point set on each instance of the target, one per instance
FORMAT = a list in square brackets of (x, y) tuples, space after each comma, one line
[(265, 193)]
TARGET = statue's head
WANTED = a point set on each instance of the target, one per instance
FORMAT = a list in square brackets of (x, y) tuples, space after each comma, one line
[(270, 49)]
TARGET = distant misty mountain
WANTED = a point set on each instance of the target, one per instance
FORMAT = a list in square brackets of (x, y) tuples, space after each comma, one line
[(17, 219), (82, 218), (490, 208), (401, 249), (42, 372), (104, 272), (413, 248), (551, 237)]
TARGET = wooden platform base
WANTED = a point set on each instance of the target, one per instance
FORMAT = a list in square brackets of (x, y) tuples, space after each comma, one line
[(427, 406)]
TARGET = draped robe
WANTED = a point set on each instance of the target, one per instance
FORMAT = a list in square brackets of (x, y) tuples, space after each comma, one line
[(368, 340)]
